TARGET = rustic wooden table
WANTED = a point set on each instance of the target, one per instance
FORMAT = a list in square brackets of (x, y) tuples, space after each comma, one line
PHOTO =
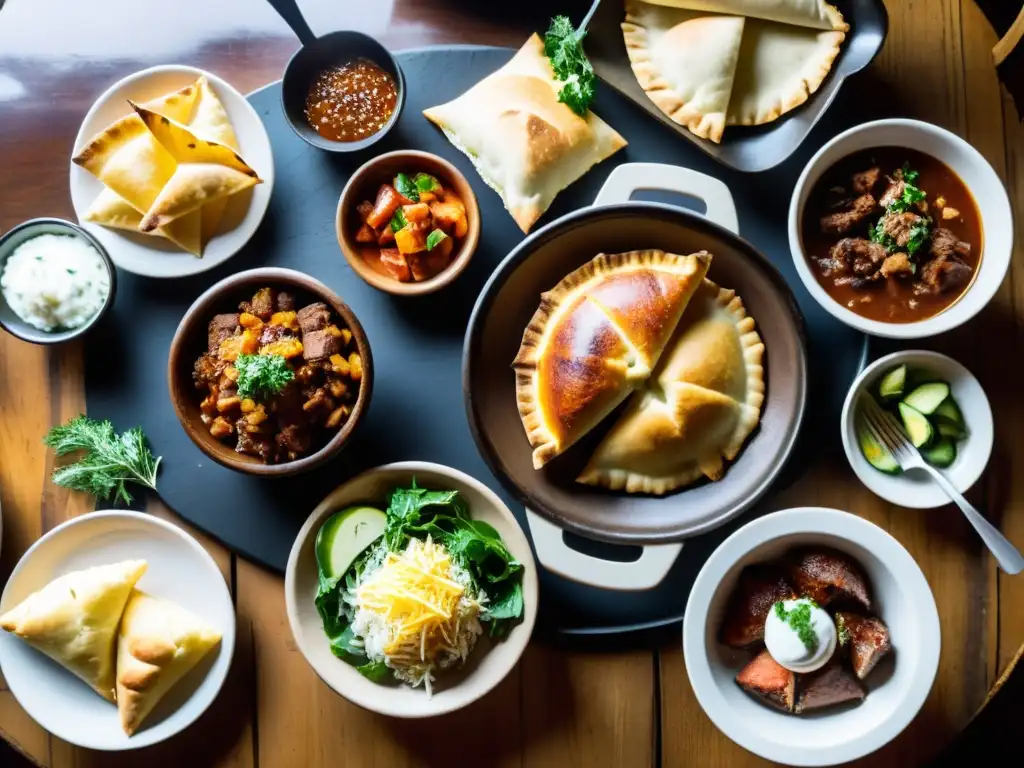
[(560, 707)]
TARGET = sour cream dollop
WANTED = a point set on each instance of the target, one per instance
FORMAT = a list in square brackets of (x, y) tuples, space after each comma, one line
[(55, 281), (784, 641)]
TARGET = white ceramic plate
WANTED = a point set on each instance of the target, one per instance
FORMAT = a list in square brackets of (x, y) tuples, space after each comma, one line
[(488, 663), (157, 256), (897, 688), (179, 570), (916, 489)]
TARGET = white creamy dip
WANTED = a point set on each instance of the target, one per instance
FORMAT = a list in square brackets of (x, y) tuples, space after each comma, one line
[(785, 644), (55, 281)]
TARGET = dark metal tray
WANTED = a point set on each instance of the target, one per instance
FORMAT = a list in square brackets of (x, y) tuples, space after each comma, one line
[(743, 148), (417, 411)]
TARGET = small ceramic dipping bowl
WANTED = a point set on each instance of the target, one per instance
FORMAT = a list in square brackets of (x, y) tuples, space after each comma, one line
[(363, 185), (24, 232), (191, 340), (321, 53)]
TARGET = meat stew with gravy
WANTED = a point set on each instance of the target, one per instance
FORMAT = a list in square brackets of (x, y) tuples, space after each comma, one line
[(276, 380), (892, 234)]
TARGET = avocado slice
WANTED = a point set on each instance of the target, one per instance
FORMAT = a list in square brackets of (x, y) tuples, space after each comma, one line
[(918, 428), (927, 397), (345, 536), (893, 383)]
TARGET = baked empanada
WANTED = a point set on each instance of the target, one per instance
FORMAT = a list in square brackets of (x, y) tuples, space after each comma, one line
[(192, 186), (816, 14), (698, 408), (211, 121), (112, 210), (74, 620), (596, 336), (159, 642), (526, 145)]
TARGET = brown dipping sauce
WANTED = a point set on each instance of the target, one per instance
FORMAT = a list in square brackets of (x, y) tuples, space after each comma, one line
[(352, 101), (903, 298)]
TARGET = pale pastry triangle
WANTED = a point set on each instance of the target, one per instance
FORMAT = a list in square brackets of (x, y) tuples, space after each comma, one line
[(158, 644), (211, 121), (805, 13), (192, 186), (74, 620), (779, 67), (526, 145), (186, 147), (112, 210), (698, 408), (685, 62), (595, 338)]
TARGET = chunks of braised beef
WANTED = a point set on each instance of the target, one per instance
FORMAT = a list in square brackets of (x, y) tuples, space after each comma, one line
[(944, 273), (865, 182), (858, 256), (900, 226), (826, 577), (865, 637), (769, 681), (319, 399), (945, 243), (759, 588), (858, 212), (826, 687)]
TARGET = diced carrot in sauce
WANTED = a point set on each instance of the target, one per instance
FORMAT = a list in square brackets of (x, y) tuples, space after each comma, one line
[(427, 197), (366, 234), (386, 236), (364, 209), (416, 212), (450, 216), (394, 262), (411, 239), (388, 201)]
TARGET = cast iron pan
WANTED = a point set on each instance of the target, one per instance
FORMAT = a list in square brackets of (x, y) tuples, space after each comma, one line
[(743, 148), (503, 310)]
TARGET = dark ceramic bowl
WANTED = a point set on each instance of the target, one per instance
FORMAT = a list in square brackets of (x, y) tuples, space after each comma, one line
[(190, 341), (506, 305), (13, 324), (320, 53)]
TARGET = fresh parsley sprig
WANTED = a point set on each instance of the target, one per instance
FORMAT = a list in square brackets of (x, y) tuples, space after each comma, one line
[(912, 194), (563, 45), (109, 460), (260, 377)]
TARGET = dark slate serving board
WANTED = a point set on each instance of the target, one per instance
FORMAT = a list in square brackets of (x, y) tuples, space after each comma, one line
[(417, 410)]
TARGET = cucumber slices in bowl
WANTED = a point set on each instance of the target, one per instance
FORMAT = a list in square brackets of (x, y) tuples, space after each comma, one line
[(930, 417)]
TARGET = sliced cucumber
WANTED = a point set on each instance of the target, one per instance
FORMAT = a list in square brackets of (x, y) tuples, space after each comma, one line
[(941, 453), (919, 429), (927, 397), (878, 455), (345, 536), (893, 383), (950, 411), (918, 376), (947, 428)]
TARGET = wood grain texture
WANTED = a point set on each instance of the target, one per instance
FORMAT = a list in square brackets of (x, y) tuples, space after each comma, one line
[(559, 708)]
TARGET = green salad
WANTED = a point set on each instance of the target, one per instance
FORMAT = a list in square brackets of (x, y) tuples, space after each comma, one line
[(407, 591)]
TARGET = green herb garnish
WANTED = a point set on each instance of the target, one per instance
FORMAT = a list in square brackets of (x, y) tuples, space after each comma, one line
[(407, 188), (425, 182), (109, 461), (563, 45), (799, 620), (435, 238), (920, 233), (398, 219), (260, 377)]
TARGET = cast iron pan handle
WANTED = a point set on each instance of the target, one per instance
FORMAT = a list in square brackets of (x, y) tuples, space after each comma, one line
[(289, 11)]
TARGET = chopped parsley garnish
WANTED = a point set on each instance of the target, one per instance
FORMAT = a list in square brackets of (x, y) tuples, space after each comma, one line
[(260, 377), (799, 620), (398, 219), (407, 188), (563, 45), (911, 195), (108, 460)]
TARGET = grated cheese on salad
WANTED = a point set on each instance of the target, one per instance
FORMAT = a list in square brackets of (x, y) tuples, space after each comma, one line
[(417, 612)]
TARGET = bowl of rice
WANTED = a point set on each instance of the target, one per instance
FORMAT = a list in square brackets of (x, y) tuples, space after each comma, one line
[(411, 590)]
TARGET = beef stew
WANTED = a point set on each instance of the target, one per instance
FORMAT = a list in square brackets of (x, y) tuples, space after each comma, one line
[(892, 234), (276, 380)]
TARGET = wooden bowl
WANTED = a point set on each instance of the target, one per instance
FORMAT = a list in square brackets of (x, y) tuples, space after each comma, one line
[(190, 341), (363, 186)]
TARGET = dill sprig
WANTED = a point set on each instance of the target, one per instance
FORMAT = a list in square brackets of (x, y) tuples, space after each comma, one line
[(109, 460)]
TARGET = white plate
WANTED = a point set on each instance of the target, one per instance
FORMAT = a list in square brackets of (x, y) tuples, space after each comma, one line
[(179, 570), (157, 256), (897, 688), (916, 489)]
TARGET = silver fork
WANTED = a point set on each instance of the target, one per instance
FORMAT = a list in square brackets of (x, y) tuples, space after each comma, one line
[(886, 430)]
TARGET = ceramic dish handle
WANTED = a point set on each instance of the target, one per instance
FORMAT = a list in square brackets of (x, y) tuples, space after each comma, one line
[(557, 557), (633, 177)]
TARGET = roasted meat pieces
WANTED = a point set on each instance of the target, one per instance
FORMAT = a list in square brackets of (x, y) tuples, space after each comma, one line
[(759, 588)]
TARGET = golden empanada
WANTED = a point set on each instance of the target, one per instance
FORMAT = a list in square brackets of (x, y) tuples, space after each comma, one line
[(112, 210), (192, 186), (211, 121)]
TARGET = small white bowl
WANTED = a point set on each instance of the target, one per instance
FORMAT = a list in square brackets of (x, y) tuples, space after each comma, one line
[(489, 662), (973, 169), (916, 489), (179, 570), (897, 689), (156, 256)]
